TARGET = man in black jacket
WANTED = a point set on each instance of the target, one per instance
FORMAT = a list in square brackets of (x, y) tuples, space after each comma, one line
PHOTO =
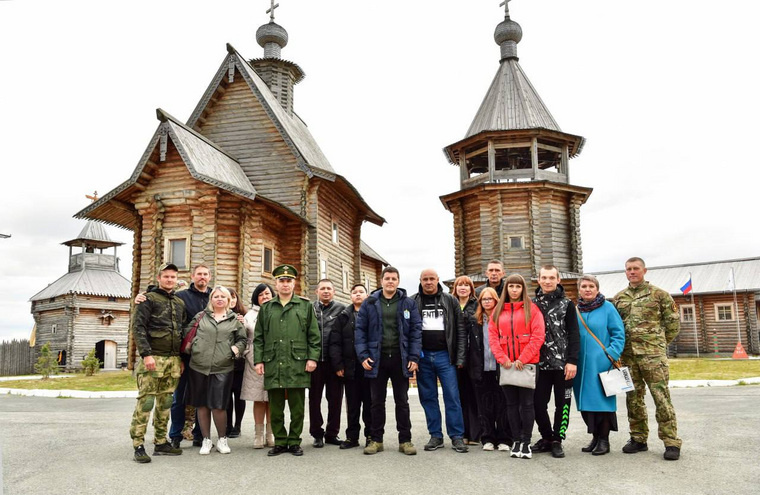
[(347, 366), (558, 363), (323, 379), (444, 342), (495, 274)]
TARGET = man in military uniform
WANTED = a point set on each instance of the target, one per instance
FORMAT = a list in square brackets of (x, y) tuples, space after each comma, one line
[(286, 349), (651, 323), (157, 331)]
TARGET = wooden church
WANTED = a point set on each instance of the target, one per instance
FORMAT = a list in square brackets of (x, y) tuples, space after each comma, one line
[(515, 202), (242, 187), (88, 307)]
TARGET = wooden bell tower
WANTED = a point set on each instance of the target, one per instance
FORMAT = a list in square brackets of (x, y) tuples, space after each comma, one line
[(515, 202)]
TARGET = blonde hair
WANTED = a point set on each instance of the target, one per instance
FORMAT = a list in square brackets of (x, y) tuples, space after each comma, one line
[(480, 313), (224, 291), (588, 278)]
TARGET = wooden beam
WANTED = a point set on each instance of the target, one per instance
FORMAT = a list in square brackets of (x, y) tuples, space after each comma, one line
[(491, 161)]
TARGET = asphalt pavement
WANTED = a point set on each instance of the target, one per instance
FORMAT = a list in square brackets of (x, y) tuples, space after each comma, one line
[(74, 446)]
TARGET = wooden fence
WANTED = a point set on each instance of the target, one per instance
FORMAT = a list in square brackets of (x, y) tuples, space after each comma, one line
[(16, 358)]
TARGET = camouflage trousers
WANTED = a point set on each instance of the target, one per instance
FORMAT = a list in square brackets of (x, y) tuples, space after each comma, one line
[(652, 370), (154, 388)]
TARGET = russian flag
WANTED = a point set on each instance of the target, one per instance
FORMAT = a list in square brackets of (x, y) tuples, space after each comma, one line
[(686, 287)]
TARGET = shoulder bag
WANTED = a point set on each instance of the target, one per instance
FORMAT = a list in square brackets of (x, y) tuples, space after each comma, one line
[(525, 378), (616, 380), (187, 341)]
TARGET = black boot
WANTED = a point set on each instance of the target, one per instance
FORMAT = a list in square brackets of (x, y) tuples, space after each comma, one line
[(602, 447), (591, 446)]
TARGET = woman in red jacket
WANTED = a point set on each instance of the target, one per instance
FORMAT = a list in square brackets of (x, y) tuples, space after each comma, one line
[(515, 335)]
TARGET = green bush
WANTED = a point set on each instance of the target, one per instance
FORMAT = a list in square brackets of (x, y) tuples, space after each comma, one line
[(47, 363), (91, 364)]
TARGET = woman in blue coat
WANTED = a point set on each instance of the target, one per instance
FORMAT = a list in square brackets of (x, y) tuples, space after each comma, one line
[(603, 320)]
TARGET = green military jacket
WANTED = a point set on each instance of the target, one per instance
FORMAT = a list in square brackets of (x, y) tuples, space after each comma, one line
[(284, 339), (211, 351), (157, 326), (651, 319)]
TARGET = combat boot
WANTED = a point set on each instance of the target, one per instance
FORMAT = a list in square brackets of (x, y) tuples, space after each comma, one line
[(633, 446), (140, 455), (166, 448), (373, 448), (408, 448)]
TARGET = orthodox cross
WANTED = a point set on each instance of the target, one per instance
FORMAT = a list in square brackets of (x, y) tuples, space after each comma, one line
[(92, 198), (505, 4), (270, 10)]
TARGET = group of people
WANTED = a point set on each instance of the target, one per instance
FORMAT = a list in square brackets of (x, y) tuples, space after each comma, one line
[(467, 341)]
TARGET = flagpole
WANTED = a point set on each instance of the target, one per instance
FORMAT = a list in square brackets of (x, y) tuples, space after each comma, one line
[(696, 336), (736, 306)]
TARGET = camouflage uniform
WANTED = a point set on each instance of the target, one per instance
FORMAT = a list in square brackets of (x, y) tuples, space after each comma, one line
[(651, 323), (157, 331), (154, 387)]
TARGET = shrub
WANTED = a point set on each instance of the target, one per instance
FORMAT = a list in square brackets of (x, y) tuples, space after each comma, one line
[(47, 363), (91, 364)]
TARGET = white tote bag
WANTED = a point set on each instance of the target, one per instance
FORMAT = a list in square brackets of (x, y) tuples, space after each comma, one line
[(616, 381)]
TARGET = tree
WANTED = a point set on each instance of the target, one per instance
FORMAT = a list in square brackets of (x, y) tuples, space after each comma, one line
[(47, 363), (91, 364)]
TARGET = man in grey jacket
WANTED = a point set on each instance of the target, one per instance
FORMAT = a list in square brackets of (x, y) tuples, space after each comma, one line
[(443, 350)]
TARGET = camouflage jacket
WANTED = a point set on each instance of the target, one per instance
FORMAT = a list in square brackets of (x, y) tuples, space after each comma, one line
[(157, 327), (651, 319)]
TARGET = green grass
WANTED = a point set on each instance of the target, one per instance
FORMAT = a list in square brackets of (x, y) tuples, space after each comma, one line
[(108, 381), (713, 369)]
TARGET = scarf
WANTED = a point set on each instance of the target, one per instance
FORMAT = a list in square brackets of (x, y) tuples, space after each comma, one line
[(585, 307)]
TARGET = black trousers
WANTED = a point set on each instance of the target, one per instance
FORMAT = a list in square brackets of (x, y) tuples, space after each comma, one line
[(492, 410), (520, 411), (390, 368), (358, 404), (324, 379), (469, 406), (549, 380)]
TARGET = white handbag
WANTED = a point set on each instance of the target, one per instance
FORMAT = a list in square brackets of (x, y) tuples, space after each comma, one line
[(512, 376)]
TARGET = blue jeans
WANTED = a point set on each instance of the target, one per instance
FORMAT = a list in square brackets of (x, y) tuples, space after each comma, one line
[(178, 410), (436, 365)]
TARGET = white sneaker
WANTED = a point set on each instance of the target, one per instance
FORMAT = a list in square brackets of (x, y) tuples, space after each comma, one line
[(488, 446), (503, 447), (206, 447), (221, 446)]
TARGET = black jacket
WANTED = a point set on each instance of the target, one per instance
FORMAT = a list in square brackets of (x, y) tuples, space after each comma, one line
[(195, 301), (499, 288), (563, 340), (453, 324), (326, 317), (475, 346), (342, 351)]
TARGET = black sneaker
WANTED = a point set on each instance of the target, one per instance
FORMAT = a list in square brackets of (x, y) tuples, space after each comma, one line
[(166, 448), (140, 455), (296, 450), (434, 443), (458, 445), (234, 433), (557, 451), (525, 451), (349, 443), (318, 443), (197, 442), (543, 445), (176, 441), (333, 440), (672, 453), (516, 452), (633, 446)]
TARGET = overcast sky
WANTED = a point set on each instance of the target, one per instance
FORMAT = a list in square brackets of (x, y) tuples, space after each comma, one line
[(664, 92)]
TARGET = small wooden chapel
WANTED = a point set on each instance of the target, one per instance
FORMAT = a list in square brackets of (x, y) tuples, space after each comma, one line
[(242, 187), (515, 202)]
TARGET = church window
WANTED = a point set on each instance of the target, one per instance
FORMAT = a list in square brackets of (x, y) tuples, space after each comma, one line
[(687, 313), (322, 268), (177, 252), (267, 260), (516, 242), (724, 312), (111, 299), (335, 233), (53, 328), (346, 278)]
